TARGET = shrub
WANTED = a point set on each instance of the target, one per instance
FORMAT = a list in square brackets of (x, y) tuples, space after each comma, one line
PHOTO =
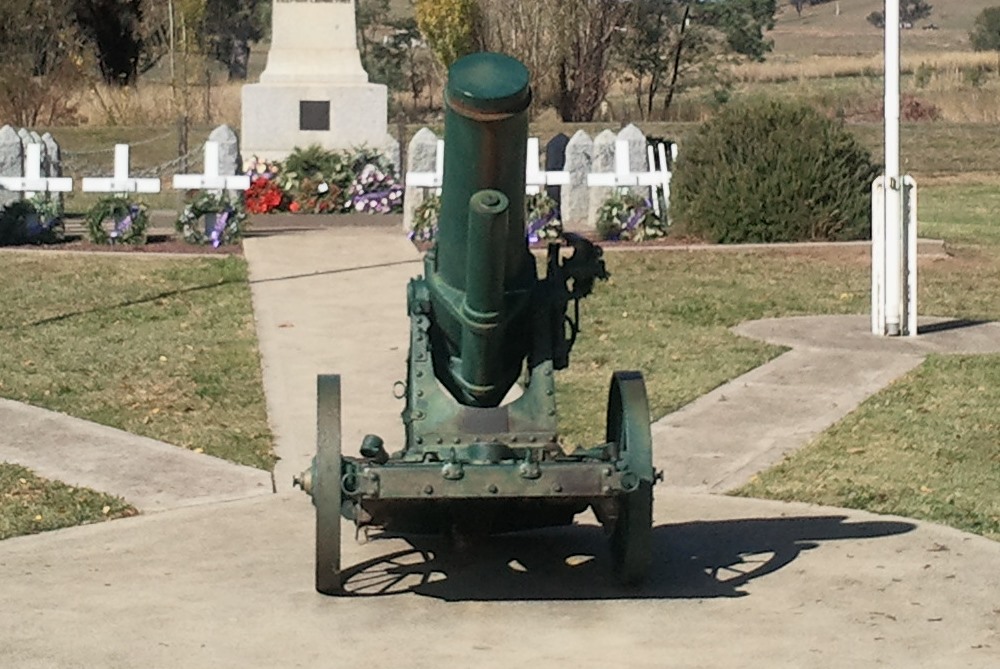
[(771, 171), (922, 75), (975, 76)]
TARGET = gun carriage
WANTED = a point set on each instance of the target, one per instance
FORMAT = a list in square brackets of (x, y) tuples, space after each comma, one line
[(482, 321)]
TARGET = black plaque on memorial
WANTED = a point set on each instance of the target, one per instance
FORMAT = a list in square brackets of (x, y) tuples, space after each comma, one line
[(314, 115)]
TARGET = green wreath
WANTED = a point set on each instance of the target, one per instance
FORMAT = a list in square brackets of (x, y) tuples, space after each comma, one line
[(117, 220), (212, 219), (625, 216)]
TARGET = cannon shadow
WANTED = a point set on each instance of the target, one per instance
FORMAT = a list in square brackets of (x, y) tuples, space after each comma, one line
[(700, 559)]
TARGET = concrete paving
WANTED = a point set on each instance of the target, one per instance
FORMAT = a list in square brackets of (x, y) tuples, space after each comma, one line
[(151, 475), (834, 365), (331, 302), (736, 582)]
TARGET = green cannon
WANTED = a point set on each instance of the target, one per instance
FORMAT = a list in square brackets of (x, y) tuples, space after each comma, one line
[(482, 452)]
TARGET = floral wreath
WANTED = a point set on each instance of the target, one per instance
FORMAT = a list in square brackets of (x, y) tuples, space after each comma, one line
[(226, 225), (625, 216), (34, 221), (117, 220), (425, 220), (543, 219)]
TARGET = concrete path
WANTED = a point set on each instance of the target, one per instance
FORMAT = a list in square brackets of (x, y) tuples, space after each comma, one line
[(151, 475), (719, 441), (736, 582), (331, 302)]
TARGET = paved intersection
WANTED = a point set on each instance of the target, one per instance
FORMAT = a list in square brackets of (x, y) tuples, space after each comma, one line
[(737, 583)]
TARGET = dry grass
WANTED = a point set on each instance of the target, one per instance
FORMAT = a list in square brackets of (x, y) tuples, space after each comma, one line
[(948, 66), (822, 31), (159, 104)]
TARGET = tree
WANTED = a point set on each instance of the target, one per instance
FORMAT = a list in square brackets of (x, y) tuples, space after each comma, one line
[(877, 19), (660, 46), (526, 30), (449, 26), (798, 4), (391, 50), (228, 28), (985, 35), (742, 23), (42, 55), (666, 45), (588, 31), (910, 11), (112, 28)]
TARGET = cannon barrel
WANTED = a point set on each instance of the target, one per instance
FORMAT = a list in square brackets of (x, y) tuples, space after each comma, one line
[(480, 274)]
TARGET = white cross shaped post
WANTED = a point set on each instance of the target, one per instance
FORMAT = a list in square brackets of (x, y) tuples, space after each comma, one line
[(211, 179), (534, 177), (121, 182), (624, 176), (429, 179), (664, 172), (33, 181)]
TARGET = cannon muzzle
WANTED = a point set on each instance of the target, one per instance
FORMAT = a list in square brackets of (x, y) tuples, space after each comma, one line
[(480, 274)]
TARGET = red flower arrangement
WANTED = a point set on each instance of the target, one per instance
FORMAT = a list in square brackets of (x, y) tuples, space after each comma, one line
[(265, 196)]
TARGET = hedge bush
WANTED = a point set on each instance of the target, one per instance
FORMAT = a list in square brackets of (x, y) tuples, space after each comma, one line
[(773, 171)]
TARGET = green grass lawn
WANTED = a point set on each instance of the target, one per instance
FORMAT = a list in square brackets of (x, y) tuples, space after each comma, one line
[(29, 504), (161, 347), (928, 446), (166, 348)]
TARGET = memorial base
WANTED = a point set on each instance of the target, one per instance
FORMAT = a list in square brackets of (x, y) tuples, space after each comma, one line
[(334, 116)]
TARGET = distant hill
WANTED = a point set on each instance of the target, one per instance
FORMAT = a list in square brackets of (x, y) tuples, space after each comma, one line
[(820, 31)]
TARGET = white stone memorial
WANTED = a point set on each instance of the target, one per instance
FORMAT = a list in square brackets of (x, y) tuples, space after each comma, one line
[(313, 89)]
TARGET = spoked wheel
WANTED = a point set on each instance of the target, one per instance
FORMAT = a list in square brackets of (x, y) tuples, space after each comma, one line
[(326, 485), (628, 426)]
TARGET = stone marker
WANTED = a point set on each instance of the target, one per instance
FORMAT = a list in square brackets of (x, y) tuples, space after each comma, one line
[(53, 163), (575, 197), (603, 161), (314, 89), (391, 153), (230, 162), (52, 159), (11, 162), (421, 158), (637, 155), (555, 160), (34, 180)]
